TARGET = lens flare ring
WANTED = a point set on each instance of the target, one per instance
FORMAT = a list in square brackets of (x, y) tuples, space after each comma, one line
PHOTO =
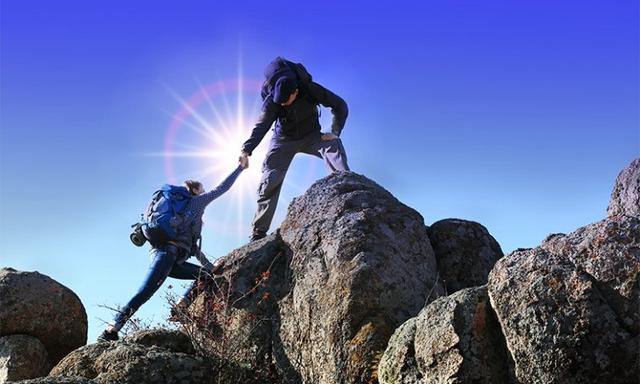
[(203, 142)]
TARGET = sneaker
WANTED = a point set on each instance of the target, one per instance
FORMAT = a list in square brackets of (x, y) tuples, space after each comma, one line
[(257, 235), (107, 336)]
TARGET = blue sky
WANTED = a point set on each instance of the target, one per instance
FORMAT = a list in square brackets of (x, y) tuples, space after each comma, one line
[(515, 114)]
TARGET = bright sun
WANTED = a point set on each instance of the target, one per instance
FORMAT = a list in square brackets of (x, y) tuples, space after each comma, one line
[(203, 142)]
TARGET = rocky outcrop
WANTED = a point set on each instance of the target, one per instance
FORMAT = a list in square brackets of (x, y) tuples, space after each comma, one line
[(320, 298), (248, 271), (22, 357), (152, 356), (608, 252), (36, 305), (81, 362), (135, 363), (455, 339), (465, 252), (57, 380), (163, 338), (361, 266), (625, 198), (235, 319), (569, 309)]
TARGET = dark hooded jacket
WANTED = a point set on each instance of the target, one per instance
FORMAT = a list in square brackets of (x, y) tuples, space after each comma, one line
[(301, 118)]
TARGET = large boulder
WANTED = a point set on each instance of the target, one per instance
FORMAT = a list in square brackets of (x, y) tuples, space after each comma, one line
[(256, 270), (465, 252), (171, 340), (36, 305), (455, 339), (361, 266), (569, 309), (155, 356), (81, 362), (22, 357), (234, 319), (135, 363), (625, 198), (608, 252)]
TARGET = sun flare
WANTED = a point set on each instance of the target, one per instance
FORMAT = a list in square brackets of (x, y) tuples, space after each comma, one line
[(203, 142)]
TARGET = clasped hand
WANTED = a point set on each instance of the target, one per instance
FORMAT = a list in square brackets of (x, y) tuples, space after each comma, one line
[(244, 160)]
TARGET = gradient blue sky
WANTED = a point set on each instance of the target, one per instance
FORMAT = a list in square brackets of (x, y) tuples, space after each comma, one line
[(515, 114)]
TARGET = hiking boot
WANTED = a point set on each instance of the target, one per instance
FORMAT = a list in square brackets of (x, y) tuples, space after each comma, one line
[(107, 336), (257, 235)]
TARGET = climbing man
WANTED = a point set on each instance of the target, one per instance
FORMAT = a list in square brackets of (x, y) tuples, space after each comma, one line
[(291, 100)]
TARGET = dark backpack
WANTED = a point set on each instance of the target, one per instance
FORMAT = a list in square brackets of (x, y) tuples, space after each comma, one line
[(166, 216), (282, 67)]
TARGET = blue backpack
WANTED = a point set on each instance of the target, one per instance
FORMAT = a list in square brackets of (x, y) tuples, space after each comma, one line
[(166, 216)]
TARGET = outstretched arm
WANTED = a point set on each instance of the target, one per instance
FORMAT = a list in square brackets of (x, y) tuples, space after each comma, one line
[(216, 192), (338, 106), (269, 114)]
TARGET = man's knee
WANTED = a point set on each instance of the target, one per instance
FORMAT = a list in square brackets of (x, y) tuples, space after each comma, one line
[(277, 157)]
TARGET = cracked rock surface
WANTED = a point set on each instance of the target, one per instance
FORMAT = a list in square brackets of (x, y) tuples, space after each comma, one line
[(455, 339), (361, 266), (569, 308), (154, 356)]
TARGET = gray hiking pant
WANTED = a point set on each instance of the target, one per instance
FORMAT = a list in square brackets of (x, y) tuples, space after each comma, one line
[(276, 163)]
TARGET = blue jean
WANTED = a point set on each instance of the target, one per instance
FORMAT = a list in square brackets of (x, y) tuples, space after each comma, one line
[(168, 260)]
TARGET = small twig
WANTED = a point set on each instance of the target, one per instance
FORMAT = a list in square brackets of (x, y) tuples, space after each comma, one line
[(435, 283)]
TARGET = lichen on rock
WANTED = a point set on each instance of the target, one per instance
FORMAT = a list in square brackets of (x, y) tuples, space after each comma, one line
[(361, 266), (568, 309), (455, 339)]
